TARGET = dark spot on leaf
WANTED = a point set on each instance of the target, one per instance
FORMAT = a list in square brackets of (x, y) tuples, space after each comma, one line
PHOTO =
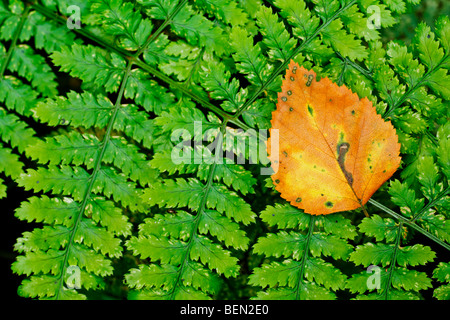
[(284, 99), (292, 78), (342, 151), (353, 112), (310, 79), (311, 111), (277, 181), (285, 153), (329, 204), (298, 200), (289, 92), (291, 109)]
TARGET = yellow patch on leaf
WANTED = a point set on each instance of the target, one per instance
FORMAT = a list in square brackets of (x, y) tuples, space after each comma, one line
[(334, 149)]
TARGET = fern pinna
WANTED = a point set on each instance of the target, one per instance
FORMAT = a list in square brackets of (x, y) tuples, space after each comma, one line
[(151, 176)]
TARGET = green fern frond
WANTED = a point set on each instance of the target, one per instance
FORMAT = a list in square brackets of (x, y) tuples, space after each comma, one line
[(392, 259), (116, 17), (441, 273), (92, 65), (302, 273)]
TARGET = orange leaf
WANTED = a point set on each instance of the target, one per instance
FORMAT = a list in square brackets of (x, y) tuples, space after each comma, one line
[(334, 150)]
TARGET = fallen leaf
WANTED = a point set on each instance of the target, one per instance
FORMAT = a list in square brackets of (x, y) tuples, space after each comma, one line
[(334, 149)]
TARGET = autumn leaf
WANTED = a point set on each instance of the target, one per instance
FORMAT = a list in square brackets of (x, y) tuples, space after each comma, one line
[(334, 149)]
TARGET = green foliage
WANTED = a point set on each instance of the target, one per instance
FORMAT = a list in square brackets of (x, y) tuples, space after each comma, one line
[(303, 273), (146, 181)]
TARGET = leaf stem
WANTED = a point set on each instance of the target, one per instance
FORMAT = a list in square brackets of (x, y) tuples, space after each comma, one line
[(365, 210), (94, 174)]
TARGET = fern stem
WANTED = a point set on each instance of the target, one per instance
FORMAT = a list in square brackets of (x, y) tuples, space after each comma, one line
[(202, 207), (97, 166), (305, 256), (204, 103), (393, 259), (341, 76), (431, 204), (415, 87), (161, 28), (283, 66), (354, 65), (188, 92), (15, 38), (409, 223)]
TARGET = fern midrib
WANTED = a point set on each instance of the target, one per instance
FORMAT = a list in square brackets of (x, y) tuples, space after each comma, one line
[(431, 203), (194, 66), (156, 34), (409, 223), (94, 174), (305, 256), (393, 260), (13, 44), (417, 86), (202, 209), (188, 92), (128, 34), (354, 65), (283, 66)]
